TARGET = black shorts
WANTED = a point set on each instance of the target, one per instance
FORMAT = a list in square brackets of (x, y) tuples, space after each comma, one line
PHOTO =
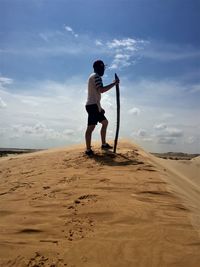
[(94, 116)]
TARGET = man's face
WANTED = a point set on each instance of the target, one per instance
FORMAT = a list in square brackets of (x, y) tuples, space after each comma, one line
[(101, 69)]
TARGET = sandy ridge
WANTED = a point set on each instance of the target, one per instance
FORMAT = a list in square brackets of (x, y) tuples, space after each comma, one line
[(59, 208)]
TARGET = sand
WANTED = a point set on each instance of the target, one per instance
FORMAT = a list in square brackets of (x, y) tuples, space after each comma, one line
[(60, 208)]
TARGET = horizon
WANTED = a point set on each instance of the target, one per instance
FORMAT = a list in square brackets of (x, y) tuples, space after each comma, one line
[(10, 149), (47, 50)]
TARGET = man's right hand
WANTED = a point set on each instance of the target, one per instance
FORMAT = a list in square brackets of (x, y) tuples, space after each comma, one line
[(117, 81)]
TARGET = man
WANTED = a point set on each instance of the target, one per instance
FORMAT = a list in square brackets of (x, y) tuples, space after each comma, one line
[(93, 106)]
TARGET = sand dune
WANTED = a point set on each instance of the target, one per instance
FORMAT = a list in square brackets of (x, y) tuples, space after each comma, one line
[(183, 178), (61, 208)]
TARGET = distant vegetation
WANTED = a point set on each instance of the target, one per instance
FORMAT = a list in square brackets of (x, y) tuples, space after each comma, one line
[(4, 152), (15, 151), (176, 155)]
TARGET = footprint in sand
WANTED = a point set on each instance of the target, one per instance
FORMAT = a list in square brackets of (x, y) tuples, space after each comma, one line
[(40, 260), (71, 179), (46, 187), (78, 228), (16, 187), (79, 225), (26, 172), (84, 199), (87, 197)]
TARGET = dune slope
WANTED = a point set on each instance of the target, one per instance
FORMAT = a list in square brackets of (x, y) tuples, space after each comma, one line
[(61, 208)]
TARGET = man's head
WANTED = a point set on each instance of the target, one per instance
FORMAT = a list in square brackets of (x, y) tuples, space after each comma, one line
[(99, 67)]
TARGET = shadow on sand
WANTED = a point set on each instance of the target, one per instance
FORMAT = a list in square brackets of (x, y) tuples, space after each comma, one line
[(111, 159)]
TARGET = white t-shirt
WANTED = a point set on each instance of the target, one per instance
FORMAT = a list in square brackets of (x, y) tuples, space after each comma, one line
[(94, 94)]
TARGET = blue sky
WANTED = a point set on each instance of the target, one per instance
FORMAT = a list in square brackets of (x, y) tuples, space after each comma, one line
[(47, 48)]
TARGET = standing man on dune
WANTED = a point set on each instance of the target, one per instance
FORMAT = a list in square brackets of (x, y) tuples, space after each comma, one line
[(93, 106)]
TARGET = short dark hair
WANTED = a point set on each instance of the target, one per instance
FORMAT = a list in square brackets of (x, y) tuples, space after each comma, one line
[(98, 64)]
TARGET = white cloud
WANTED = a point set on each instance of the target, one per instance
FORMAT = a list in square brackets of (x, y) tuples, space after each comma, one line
[(2, 103), (69, 29), (160, 126), (98, 43), (167, 135), (190, 140), (174, 132), (125, 51), (5, 81), (127, 44), (44, 37), (47, 113), (121, 61), (134, 111), (143, 136), (168, 115), (165, 93), (121, 52), (167, 140), (108, 100), (165, 131), (42, 131), (142, 133)]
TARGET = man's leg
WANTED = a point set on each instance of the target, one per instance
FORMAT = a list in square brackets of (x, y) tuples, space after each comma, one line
[(88, 136), (103, 131)]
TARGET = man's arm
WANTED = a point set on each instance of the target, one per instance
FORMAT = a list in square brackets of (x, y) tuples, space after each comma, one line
[(108, 87)]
